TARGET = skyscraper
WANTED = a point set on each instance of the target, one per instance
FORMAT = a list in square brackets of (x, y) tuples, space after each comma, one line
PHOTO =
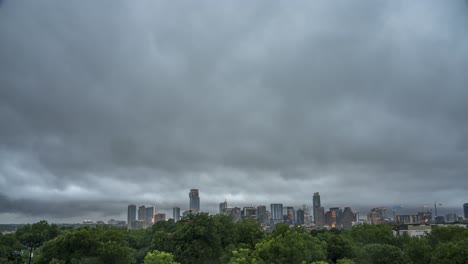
[(465, 210), (222, 207), (131, 216), (348, 217), (300, 217), (318, 210), (291, 215), (262, 215), (142, 217), (149, 215), (276, 213), (176, 214), (194, 200)]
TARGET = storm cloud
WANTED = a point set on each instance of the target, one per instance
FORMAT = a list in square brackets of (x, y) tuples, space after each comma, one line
[(107, 103)]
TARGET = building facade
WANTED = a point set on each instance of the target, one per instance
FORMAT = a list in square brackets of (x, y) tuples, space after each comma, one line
[(465, 210), (223, 206), (131, 216), (262, 214), (318, 210), (276, 213), (300, 217), (176, 214), (194, 200), (150, 211)]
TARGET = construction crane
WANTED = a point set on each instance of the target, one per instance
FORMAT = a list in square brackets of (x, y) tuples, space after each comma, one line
[(435, 207)]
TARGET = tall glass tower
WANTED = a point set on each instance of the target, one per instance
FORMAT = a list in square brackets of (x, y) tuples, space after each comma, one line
[(131, 216), (318, 210), (194, 200)]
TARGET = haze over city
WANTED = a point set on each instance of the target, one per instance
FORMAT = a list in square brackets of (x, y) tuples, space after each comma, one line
[(109, 103)]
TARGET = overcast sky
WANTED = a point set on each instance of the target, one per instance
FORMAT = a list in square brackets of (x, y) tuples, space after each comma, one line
[(106, 103)]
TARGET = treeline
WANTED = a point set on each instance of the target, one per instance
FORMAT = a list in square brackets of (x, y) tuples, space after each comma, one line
[(202, 238)]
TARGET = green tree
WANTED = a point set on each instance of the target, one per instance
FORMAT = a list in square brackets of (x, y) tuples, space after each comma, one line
[(293, 246), (372, 234), (33, 236), (345, 261), (339, 247), (418, 250), (247, 233), (451, 252), (159, 257), (10, 249), (87, 245), (197, 240), (383, 254)]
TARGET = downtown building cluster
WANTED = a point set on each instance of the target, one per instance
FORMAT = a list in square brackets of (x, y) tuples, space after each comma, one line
[(317, 217), (147, 216)]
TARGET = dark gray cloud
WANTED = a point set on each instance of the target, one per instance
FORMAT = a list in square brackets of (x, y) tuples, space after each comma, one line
[(108, 103)]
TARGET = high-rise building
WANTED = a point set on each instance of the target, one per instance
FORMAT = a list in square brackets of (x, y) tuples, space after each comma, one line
[(234, 213), (291, 215), (465, 210), (194, 200), (249, 212), (131, 216), (150, 211), (318, 210), (222, 207), (347, 218), (262, 215), (176, 214), (276, 213), (335, 217), (142, 217), (159, 217), (300, 217)]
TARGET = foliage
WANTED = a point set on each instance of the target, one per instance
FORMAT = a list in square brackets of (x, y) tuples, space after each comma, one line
[(201, 238), (372, 234), (159, 257), (87, 245), (383, 254), (247, 233), (33, 236), (10, 249), (451, 252), (418, 250), (197, 240), (292, 246)]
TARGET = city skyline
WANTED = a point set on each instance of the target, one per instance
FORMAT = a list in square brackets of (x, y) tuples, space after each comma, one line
[(253, 102)]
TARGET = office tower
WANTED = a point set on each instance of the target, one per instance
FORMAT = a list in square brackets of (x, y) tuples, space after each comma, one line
[(262, 215), (194, 200), (335, 217), (159, 217), (142, 217), (377, 215), (318, 210), (328, 221), (176, 214), (222, 207), (249, 212), (347, 218), (300, 217), (465, 210), (149, 215), (291, 215), (131, 216), (451, 218), (234, 213), (276, 213)]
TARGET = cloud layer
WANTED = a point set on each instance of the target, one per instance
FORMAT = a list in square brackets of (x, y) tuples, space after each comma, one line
[(108, 103)]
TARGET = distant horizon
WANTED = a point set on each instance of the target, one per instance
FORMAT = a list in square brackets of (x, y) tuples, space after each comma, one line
[(103, 105)]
